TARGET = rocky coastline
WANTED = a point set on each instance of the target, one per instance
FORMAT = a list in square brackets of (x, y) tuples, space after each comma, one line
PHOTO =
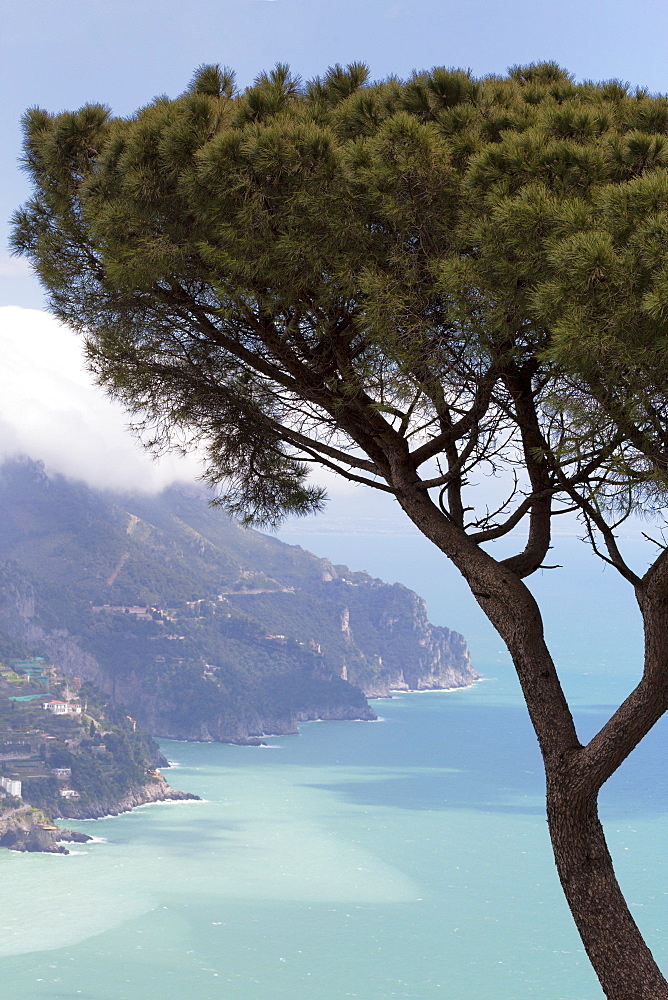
[(27, 829), (199, 628), (155, 790)]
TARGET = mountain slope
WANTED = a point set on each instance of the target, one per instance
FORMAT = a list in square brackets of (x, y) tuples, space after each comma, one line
[(228, 633)]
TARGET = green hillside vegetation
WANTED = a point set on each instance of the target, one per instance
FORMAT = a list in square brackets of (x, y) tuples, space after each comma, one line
[(199, 627), (108, 756)]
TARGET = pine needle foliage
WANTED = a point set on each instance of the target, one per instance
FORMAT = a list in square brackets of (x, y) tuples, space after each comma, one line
[(399, 212)]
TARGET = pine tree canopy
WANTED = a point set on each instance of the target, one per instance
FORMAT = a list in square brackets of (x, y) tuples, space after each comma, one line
[(294, 273)]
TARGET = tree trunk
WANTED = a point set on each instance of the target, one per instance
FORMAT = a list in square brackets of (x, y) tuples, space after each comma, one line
[(620, 957), (574, 774)]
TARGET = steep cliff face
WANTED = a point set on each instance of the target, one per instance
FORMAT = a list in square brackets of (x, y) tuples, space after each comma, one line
[(28, 829), (380, 638), (17, 604), (155, 790), (200, 628), (442, 663), (420, 656), (20, 624)]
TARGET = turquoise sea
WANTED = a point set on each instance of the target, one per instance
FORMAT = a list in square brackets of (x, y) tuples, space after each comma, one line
[(405, 858)]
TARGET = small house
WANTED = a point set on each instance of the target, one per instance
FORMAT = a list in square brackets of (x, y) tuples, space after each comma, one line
[(62, 707), (55, 707), (69, 793)]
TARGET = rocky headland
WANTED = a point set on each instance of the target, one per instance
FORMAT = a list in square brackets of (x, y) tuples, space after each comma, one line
[(26, 828), (157, 789), (197, 627), (23, 828)]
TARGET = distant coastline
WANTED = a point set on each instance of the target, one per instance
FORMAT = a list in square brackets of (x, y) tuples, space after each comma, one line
[(434, 690)]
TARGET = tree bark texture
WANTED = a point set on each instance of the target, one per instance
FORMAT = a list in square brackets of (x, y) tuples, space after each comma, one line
[(617, 951)]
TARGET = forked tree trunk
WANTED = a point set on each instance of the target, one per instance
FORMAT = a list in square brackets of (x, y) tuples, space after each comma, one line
[(620, 957), (617, 951)]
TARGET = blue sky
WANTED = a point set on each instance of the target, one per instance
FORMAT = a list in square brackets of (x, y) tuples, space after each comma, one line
[(61, 55)]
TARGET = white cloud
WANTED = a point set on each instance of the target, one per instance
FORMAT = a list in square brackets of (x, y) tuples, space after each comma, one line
[(51, 410)]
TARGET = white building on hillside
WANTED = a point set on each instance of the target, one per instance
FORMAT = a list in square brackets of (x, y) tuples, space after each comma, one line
[(57, 707), (11, 786), (62, 707)]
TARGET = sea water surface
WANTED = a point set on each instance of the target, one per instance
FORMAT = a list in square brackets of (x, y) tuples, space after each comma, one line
[(406, 858)]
